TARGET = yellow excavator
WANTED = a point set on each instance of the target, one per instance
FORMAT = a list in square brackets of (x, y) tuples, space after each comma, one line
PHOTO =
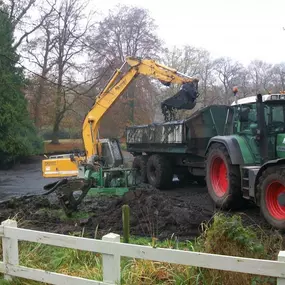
[(100, 168)]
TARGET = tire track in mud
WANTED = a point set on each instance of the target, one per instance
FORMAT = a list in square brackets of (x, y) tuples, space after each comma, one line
[(179, 211)]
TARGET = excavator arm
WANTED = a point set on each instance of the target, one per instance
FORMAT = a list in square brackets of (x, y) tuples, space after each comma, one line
[(67, 165), (116, 87)]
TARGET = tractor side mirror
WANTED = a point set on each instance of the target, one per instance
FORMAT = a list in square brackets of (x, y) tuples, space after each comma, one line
[(244, 115)]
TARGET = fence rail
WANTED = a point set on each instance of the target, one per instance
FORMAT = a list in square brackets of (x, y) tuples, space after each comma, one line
[(112, 250)]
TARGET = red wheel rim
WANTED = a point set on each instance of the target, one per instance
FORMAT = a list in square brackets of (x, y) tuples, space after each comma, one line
[(219, 176), (273, 190)]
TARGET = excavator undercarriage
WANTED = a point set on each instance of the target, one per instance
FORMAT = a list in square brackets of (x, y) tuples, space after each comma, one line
[(106, 174)]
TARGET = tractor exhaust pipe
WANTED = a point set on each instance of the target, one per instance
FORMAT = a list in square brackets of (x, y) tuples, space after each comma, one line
[(262, 131)]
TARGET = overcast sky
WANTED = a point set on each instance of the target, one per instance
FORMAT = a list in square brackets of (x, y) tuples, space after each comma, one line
[(241, 29)]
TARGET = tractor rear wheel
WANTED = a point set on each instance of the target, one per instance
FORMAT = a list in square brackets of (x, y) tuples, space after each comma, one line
[(270, 185), (159, 172), (223, 178), (139, 164)]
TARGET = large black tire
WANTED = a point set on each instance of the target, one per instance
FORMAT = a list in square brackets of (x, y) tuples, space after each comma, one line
[(139, 164), (270, 184), (223, 178), (159, 172)]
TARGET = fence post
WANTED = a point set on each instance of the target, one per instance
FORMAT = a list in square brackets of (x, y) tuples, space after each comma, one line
[(281, 257), (112, 263), (10, 248)]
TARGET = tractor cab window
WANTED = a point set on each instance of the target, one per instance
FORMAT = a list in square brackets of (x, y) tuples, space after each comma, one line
[(274, 117), (246, 118)]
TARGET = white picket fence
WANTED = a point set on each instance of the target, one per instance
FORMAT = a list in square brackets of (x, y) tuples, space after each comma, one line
[(112, 250)]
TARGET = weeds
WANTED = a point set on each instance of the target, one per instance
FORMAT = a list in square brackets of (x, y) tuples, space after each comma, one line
[(225, 235), (228, 236)]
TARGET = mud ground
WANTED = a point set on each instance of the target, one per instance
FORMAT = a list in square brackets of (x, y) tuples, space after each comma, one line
[(179, 211)]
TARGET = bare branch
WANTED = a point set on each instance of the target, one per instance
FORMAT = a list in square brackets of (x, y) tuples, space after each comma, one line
[(23, 12), (26, 34)]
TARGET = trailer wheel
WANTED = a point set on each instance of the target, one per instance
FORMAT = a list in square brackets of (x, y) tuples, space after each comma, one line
[(223, 178), (139, 164), (270, 185), (159, 172)]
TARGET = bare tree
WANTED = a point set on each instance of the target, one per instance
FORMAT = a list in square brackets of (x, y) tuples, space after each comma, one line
[(206, 79), (227, 71), (40, 52), (69, 44), (125, 31), (261, 76), (20, 13), (279, 77)]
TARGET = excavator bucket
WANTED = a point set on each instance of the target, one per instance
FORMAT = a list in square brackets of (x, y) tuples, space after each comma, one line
[(185, 99)]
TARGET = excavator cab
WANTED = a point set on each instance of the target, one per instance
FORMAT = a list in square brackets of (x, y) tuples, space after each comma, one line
[(67, 165)]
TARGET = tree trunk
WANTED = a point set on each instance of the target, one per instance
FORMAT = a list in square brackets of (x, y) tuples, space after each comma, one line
[(37, 120), (55, 131)]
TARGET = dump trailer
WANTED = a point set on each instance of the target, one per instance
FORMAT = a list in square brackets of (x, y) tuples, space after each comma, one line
[(238, 150), (163, 150)]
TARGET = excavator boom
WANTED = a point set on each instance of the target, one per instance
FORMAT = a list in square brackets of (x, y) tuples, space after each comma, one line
[(114, 89)]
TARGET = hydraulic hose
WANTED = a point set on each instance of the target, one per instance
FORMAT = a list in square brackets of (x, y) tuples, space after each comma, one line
[(53, 188)]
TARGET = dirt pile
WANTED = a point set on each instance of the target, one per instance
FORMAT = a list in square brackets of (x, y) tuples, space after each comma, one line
[(152, 214)]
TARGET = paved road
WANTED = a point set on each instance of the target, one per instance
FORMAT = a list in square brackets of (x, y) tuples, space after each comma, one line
[(22, 179), (27, 179)]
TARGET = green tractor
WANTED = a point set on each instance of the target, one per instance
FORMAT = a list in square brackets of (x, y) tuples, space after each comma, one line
[(250, 162), (239, 150)]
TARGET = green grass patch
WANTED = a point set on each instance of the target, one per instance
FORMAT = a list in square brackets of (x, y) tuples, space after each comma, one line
[(60, 214), (225, 235)]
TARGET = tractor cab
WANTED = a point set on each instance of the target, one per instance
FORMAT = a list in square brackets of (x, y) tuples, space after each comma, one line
[(262, 125)]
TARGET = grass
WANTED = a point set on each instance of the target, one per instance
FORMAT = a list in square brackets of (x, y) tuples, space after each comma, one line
[(61, 214), (225, 235)]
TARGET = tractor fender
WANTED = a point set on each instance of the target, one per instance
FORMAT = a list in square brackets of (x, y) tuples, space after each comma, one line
[(274, 162), (232, 146)]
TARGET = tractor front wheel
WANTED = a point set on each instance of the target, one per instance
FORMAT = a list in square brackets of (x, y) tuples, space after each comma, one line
[(223, 178), (271, 185)]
